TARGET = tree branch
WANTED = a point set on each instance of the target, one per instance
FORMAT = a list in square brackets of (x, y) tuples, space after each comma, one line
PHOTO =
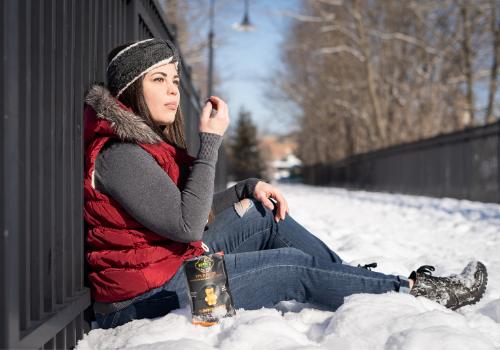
[(406, 38), (464, 77), (342, 48), (342, 29), (331, 2), (303, 18), (350, 107)]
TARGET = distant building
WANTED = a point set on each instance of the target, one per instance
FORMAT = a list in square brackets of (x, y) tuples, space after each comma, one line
[(463, 112), (284, 169), (277, 152)]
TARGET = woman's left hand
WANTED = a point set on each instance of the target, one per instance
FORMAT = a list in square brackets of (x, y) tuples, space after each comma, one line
[(263, 191)]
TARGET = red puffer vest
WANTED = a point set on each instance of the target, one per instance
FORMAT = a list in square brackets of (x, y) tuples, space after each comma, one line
[(126, 258)]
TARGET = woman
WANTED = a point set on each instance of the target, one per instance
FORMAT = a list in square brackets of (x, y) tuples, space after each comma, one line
[(147, 203)]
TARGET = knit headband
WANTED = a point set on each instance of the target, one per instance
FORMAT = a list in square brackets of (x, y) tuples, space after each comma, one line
[(136, 60)]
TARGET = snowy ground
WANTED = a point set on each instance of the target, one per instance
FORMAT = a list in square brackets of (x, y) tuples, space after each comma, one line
[(400, 233)]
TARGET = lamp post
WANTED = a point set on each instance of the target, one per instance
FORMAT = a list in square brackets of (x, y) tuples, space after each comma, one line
[(210, 49), (245, 26)]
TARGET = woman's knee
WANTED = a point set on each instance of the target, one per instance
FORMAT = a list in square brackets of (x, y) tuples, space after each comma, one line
[(242, 206), (250, 207)]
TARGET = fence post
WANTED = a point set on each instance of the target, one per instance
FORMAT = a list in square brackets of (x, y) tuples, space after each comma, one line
[(132, 21), (9, 179), (466, 165), (497, 136)]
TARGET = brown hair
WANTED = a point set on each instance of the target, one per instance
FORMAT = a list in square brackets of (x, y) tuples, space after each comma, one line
[(133, 98)]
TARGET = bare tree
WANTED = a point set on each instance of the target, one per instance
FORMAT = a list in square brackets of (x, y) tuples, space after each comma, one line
[(494, 15), (468, 57), (367, 74), (363, 43), (191, 18)]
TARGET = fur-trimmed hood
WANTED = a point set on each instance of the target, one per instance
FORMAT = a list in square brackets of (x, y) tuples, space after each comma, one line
[(125, 124)]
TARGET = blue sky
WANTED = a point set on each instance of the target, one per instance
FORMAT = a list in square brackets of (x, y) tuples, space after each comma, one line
[(244, 60)]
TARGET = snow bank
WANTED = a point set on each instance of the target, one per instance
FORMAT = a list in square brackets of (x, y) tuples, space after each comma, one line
[(400, 233)]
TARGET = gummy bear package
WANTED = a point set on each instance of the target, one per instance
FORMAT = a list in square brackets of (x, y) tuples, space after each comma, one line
[(208, 289)]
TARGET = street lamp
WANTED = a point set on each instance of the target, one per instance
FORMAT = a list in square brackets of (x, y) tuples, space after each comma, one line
[(244, 26)]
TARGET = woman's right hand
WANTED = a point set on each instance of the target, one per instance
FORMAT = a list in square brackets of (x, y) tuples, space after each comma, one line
[(219, 122)]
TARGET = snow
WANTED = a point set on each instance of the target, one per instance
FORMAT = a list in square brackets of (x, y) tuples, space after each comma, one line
[(466, 278), (400, 233)]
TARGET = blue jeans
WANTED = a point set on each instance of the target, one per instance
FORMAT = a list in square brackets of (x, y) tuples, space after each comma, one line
[(267, 262)]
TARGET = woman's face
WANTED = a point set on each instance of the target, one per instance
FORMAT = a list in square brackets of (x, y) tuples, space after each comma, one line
[(161, 91)]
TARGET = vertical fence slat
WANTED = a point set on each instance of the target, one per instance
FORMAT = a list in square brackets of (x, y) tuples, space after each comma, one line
[(467, 163), (69, 146), (60, 339), (120, 22), (59, 260), (79, 328), (37, 265), (114, 23), (447, 170), (81, 76), (48, 163), (50, 345), (95, 40), (4, 315), (132, 21), (25, 155), (100, 44), (70, 335), (9, 179), (497, 137), (110, 34)]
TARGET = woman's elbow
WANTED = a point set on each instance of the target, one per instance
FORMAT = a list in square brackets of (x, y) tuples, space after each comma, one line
[(190, 235)]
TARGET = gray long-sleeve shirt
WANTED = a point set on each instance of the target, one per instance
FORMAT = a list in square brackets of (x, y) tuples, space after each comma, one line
[(129, 174)]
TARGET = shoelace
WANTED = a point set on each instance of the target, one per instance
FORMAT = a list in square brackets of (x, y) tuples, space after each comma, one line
[(426, 270)]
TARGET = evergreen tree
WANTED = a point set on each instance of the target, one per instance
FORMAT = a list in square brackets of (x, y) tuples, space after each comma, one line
[(244, 154)]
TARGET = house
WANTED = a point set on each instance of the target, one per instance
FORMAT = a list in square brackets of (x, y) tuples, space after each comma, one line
[(278, 153)]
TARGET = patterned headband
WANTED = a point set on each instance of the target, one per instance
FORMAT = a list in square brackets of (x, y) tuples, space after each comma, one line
[(138, 59)]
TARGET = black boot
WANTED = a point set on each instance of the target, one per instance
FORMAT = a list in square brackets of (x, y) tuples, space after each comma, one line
[(454, 291)]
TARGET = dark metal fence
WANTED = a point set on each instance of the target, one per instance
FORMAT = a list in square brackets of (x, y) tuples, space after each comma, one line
[(461, 165), (52, 51)]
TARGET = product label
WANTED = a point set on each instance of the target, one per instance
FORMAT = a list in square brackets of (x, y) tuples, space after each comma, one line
[(204, 264), (210, 297)]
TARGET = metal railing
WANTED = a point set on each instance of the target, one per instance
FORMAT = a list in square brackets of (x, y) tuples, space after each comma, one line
[(52, 51), (461, 165)]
